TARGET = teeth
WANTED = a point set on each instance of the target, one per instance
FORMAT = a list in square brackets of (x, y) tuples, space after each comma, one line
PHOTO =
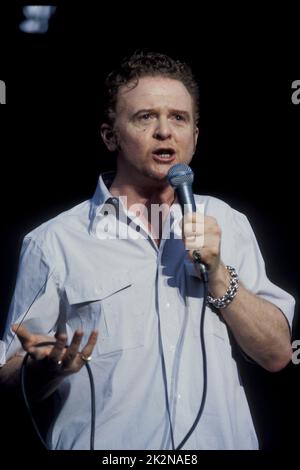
[(164, 154)]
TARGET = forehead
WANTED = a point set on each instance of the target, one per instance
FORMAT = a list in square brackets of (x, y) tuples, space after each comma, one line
[(154, 92)]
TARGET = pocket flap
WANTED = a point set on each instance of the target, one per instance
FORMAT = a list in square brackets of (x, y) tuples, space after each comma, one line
[(97, 289)]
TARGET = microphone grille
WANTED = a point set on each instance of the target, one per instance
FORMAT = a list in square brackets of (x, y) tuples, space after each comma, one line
[(180, 174)]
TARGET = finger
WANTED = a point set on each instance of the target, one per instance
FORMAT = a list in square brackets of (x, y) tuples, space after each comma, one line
[(193, 229), (58, 332), (72, 350), (57, 351), (29, 339), (193, 217), (23, 334), (88, 349), (194, 243), (194, 225), (38, 353)]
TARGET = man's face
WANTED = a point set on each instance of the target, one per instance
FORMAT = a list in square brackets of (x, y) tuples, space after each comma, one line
[(155, 127)]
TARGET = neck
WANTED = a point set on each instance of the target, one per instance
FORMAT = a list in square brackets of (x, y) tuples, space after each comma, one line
[(145, 195), (142, 192)]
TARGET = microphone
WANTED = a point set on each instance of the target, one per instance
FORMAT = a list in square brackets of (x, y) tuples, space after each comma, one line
[(181, 177)]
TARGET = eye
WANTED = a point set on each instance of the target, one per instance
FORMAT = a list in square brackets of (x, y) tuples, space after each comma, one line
[(146, 116), (179, 117)]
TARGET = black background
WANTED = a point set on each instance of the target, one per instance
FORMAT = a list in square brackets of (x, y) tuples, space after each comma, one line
[(51, 151)]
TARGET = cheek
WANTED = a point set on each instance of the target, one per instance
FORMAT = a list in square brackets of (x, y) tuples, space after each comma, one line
[(187, 141), (135, 142)]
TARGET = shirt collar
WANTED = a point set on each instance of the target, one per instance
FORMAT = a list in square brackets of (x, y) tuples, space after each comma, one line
[(101, 194)]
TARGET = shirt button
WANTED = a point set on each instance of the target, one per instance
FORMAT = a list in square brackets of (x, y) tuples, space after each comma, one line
[(178, 396), (167, 304)]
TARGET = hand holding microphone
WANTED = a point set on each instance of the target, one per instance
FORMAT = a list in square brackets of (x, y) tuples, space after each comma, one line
[(202, 234)]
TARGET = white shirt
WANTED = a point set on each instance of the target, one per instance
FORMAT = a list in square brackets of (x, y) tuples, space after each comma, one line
[(146, 302)]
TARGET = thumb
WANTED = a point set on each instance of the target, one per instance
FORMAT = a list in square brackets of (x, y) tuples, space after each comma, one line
[(22, 333)]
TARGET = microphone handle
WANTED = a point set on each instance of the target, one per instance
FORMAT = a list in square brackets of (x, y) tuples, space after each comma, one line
[(186, 198)]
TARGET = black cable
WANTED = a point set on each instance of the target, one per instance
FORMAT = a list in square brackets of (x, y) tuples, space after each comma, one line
[(93, 406), (28, 407), (202, 339), (26, 401)]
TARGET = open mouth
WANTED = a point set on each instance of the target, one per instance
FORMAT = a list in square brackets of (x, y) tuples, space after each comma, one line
[(162, 154)]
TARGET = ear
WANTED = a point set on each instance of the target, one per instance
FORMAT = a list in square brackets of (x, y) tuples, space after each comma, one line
[(109, 137), (196, 135)]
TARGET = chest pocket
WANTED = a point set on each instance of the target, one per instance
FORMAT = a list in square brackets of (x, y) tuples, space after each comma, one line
[(108, 306)]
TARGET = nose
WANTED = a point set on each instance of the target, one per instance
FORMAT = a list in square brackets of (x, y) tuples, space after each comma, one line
[(162, 130)]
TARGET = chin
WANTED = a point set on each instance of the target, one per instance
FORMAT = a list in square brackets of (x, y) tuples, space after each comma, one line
[(160, 177), (160, 174)]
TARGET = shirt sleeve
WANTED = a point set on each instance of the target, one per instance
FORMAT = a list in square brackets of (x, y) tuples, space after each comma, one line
[(35, 302), (251, 268)]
